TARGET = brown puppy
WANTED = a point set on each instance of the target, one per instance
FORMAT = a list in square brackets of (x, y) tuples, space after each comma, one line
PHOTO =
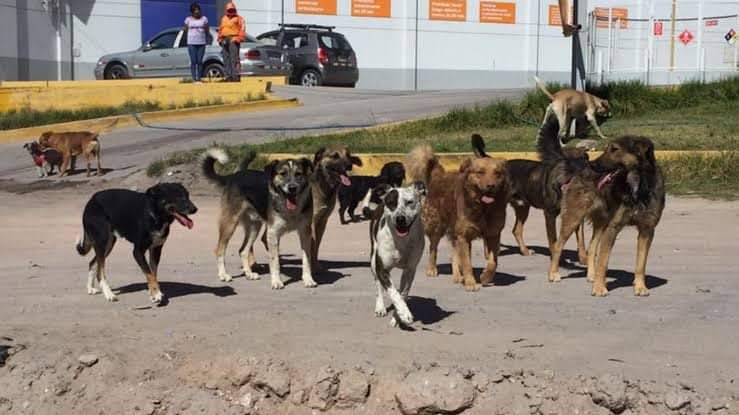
[(71, 144), (568, 104), (330, 167), (624, 188), (464, 205)]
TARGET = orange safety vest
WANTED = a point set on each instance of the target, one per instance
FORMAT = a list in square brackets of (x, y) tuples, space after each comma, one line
[(233, 27)]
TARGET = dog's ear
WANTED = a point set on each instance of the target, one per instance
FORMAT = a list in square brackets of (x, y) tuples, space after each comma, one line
[(420, 188), (466, 164), (307, 165), (319, 155), (381, 190), (645, 150), (27, 146), (355, 160), (270, 169), (154, 192), (478, 145), (391, 199)]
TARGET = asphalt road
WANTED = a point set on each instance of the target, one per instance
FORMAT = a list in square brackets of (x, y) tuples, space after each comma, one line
[(324, 109)]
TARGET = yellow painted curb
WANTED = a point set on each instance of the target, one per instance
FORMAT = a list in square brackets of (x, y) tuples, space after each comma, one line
[(372, 163), (118, 121)]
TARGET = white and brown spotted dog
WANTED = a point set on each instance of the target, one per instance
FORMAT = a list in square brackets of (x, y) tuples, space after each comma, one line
[(397, 242)]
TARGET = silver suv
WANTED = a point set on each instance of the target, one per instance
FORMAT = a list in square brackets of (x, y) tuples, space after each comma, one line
[(165, 55)]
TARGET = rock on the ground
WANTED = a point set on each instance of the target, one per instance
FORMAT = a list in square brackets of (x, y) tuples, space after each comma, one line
[(436, 391), (353, 389), (677, 399), (274, 379), (323, 393), (610, 392), (88, 359)]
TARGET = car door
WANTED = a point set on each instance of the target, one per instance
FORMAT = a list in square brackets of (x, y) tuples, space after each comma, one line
[(153, 59), (298, 49), (180, 57)]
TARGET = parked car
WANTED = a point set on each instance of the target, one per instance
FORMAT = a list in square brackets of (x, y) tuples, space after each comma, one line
[(318, 54), (165, 55)]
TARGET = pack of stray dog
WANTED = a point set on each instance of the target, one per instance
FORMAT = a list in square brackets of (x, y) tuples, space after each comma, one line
[(622, 187)]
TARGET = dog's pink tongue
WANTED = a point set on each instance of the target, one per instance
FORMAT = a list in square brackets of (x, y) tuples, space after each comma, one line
[(487, 200), (290, 205), (345, 180), (604, 180), (184, 221), (401, 233)]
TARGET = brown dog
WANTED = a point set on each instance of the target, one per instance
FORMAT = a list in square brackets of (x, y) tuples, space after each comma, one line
[(568, 104), (624, 188), (71, 144), (330, 167), (464, 205)]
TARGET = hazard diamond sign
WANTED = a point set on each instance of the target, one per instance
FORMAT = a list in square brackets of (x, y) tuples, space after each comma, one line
[(685, 37)]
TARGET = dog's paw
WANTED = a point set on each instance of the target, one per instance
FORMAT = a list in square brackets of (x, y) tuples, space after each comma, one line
[(225, 277), (110, 296), (308, 282), (457, 279), (156, 297), (380, 311), (252, 276), (471, 287), (590, 277), (432, 272), (277, 284), (555, 277), (599, 290), (92, 291), (641, 291), (525, 251), (405, 317)]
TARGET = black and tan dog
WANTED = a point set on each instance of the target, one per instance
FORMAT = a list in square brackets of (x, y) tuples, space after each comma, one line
[(624, 188), (392, 173), (540, 184), (44, 160), (142, 219), (280, 197), (330, 168)]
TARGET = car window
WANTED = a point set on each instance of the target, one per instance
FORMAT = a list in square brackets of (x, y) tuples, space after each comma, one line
[(164, 41), (333, 41), (210, 38), (294, 40), (268, 39)]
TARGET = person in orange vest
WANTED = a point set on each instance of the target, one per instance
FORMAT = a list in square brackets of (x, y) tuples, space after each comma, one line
[(231, 32)]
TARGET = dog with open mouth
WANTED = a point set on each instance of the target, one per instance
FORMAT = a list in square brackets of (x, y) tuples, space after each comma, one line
[(397, 242), (463, 205), (142, 219), (624, 187), (331, 167), (360, 191), (279, 197)]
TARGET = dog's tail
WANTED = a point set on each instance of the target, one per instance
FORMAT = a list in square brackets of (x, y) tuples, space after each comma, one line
[(421, 162), (478, 145), (543, 87), (83, 244), (547, 143), (250, 156), (208, 166)]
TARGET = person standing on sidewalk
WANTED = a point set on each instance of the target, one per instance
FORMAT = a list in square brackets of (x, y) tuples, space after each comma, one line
[(231, 33), (197, 29)]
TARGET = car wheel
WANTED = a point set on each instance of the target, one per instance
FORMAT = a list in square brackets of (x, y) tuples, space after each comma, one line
[(311, 78), (213, 71), (116, 71)]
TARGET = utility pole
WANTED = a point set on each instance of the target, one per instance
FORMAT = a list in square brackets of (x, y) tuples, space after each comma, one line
[(575, 45), (282, 14), (672, 35)]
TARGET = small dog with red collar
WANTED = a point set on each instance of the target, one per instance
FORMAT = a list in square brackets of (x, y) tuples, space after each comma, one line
[(45, 159)]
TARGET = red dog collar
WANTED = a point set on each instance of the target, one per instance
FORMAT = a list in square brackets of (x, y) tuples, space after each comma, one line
[(39, 159)]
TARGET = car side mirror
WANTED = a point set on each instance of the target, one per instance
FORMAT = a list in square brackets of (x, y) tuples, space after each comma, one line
[(147, 47)]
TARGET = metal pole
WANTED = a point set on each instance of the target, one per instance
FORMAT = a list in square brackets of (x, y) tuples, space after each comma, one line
[(282, 14), (538, 33), (699, 40), (575, 44), (58, 10), (610, 39), (415, 54), (672, 35)]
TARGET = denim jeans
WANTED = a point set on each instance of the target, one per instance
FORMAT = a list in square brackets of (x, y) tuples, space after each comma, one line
[(196, 53)]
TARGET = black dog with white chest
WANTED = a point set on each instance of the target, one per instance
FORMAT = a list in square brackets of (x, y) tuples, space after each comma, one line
[(392, 173), (142, 219)]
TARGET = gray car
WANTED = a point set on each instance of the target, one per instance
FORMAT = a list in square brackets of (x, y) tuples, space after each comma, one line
[(165, 55)]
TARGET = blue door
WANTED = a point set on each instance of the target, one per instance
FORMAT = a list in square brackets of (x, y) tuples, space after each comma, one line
[(157, 15)]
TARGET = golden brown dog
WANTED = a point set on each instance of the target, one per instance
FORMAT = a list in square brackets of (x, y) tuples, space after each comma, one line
[(72, 144), (624, 188), (464, 205), (569, 104), (330, 167)]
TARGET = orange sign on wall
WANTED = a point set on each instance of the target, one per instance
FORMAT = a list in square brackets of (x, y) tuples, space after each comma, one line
[(497, 12), (371, 8), (554, 17), (316, 7), (618, 14), (452, 10)]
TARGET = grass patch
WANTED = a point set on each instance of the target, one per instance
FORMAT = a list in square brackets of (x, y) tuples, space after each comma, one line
[(693, 116), (27, 117), (714, 177)]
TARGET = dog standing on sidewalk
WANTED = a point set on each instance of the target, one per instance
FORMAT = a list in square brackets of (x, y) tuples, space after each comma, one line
[(397, 242)]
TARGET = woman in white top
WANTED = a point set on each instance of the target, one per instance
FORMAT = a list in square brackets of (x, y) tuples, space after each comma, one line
[(196, 26)]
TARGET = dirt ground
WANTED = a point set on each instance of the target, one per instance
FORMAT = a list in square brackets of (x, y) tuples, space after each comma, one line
[(522, 346)]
